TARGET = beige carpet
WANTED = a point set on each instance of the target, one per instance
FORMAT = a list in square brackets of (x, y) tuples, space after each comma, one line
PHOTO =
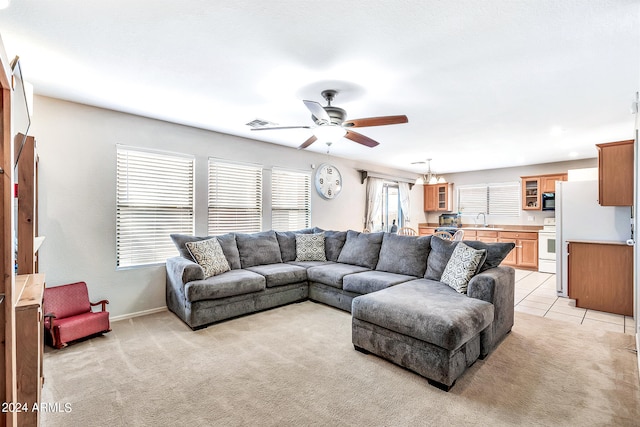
[(295, 366)]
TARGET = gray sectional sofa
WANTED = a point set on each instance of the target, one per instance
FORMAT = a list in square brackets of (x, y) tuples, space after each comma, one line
[(401, 310)]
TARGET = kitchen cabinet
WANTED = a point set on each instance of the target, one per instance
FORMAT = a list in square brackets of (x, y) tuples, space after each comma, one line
[(426, 231), (525, 253), (438, 197), (487, 236), (534, 186), (601, 276), (615, 173), (548, 182), (531, 193)]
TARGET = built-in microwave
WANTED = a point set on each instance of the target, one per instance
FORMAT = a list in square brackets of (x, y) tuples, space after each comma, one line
[(548, 201)]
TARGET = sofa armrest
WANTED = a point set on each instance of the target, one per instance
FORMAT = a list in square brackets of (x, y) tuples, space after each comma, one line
[(497, 286), (183, 270)]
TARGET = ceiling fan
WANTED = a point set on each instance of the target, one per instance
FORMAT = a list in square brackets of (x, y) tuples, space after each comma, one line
[(331, 124)]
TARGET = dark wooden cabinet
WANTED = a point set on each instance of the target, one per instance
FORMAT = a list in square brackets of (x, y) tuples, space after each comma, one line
[(601, 276), (615, 173)]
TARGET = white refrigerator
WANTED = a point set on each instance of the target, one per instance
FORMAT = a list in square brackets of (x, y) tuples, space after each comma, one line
[(580, 217)]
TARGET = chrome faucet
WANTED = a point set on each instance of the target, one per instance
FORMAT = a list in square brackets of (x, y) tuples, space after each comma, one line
[(484, 219)]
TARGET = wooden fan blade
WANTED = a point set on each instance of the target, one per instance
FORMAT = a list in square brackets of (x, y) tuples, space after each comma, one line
[(361, 139), (317, 110), (308, 142), (375, 121), (283, 127)]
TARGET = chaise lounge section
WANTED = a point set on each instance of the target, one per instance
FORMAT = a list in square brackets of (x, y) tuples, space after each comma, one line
[(401, 309)]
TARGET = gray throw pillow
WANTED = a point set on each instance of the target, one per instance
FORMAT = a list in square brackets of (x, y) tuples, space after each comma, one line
[(333, 244), (361, 249), (496, 252), (439, 255), (258, 248), (310, 247), (404, 254), (462, 266), (287, 242)]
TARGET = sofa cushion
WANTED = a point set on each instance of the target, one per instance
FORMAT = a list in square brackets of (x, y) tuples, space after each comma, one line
[(310, 247), (372, 281), (496, 252), (227, 242), (309, 264), (462, 266), (333, 244), (426, 310), (233, 282), (332, 274), (404, 254), (361, 249), (280, 274), (287, 243), (439, 255), (208, 254), (258, 248)]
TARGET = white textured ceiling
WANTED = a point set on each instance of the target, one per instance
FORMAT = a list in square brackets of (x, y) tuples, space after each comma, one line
[(484, 84)]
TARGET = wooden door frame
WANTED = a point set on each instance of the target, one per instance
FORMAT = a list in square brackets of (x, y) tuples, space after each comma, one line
[(7, 321)]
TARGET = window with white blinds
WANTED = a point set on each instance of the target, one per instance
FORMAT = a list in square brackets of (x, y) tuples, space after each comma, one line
[(291, 200), (154, 198), (497, 199), (235, 197)]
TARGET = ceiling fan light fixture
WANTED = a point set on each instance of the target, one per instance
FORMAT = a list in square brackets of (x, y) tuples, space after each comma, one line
[(329, 132)]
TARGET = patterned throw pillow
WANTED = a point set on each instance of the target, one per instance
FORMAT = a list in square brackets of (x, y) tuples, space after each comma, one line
[(310, 247), (208, 253), (462, 266)]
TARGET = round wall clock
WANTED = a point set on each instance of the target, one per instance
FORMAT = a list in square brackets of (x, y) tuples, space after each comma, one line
[(328, 181)]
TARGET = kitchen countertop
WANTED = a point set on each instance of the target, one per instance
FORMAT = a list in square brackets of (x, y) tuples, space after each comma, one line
[(497, 227), (600, 242)]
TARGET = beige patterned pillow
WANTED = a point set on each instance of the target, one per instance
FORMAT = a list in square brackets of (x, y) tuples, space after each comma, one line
[(310, 247), (462, 266), (208, 253)]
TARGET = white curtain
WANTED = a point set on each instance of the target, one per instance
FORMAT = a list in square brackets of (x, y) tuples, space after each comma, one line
[(373, 203), (405, 203)]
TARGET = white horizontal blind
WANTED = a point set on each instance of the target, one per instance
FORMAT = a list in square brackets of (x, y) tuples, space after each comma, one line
[(472, 199), (291, 200), (154, 199), (497, 199), (504, 199), (235, 197)]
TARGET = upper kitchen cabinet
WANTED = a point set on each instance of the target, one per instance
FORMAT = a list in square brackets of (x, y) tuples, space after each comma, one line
[(615, 173), (438, 197), (548, 182), (534, 186)]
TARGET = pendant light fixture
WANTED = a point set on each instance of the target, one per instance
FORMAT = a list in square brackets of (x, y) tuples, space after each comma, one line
[(430, 177)]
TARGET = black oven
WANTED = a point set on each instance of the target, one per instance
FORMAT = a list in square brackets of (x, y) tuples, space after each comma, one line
[(548, 201)]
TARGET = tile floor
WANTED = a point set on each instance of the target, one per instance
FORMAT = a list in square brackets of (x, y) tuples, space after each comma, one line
[(535, 294)]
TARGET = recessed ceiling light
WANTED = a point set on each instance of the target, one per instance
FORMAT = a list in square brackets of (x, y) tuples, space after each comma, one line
[(4, 4), (556, 131), (573, 154)]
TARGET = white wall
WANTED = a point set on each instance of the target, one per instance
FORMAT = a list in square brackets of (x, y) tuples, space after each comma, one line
[(511, 175), (77, 148)]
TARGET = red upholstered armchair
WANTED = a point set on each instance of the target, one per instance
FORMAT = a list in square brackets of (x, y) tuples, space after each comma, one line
[(68, 314)]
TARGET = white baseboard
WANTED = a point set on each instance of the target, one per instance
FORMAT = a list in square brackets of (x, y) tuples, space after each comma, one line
[(138, 314)]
